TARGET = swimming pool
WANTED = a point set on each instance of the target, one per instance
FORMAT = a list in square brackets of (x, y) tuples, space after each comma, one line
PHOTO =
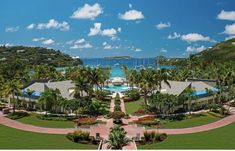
[(121, 88)]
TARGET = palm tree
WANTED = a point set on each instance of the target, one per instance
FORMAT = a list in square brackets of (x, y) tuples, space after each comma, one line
[(12, 88), (125, 69), (30, 94), (46, 100), (117, 138)]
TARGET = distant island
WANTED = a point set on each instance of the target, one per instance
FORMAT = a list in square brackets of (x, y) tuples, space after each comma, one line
[(118, 57)]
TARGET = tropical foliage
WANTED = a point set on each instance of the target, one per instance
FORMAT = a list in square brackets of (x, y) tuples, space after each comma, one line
[(117, 138)]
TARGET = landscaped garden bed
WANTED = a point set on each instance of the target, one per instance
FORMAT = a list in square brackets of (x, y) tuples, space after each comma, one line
[(180, 121), (152, 137), (81, 137), (17, 115)]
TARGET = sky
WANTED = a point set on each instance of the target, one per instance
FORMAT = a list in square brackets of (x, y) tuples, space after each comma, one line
[(137, 28)]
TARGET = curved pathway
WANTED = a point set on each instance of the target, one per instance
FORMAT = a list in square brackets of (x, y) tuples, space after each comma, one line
[(26, 127)]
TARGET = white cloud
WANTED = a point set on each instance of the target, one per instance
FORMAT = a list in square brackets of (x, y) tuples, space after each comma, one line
[(12, 29), (87, 12), (130, 6), (174, 36), (230, 29), (108, 46), (48, 41), (132, 15), (81, 46), (44, 41), (229, 37), (163, 50), (31, 26), (38, 39), (96, 30), (109, 32), (193, 49), (79, 41), (194, 37), (138, 50), (162, 25), (51, 24), (226, 15)]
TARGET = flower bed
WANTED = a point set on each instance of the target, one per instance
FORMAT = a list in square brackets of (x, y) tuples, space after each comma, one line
[(139, 112), (86, 121), (147, 121)]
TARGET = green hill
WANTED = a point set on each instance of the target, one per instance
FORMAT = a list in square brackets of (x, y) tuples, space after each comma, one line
[(36, 56), (223, 51)]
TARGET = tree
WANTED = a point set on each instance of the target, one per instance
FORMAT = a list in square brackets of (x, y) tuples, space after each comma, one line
[(12, 88), (30, 94), (117, 138), (46, 100)]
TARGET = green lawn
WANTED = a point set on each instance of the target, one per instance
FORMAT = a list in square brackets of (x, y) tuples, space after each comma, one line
[(33, 120), (16, 139), (132, 107), (221, 138), (205, 118)]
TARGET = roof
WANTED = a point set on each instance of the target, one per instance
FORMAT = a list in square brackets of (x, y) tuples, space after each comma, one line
[(65, 87), (199, 86), (176, 87)]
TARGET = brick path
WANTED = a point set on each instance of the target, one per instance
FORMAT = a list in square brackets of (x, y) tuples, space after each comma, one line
[(131, 129)]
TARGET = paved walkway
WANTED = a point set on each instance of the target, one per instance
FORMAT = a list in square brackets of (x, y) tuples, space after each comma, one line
[(132, 130)]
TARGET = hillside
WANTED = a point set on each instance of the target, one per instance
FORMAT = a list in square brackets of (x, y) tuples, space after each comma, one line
[(223, 51), (36, 56)]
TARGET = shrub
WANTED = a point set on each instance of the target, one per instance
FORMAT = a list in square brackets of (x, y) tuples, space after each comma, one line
[(162, 137), (17, 115), (54, 117), (154, 136), (147, 136), (132, 95), (117, 114), (117, 108), (79, 136)]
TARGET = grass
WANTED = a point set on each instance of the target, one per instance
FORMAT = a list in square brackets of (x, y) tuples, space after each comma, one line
[(33, 120), (132, 107), (17, 139), (204, 118), (221, 138)]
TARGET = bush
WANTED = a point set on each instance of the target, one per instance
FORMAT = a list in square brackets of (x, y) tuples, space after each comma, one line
[(17, 115), (132, 95), (79, 136), (117, 108), (117, 114), (162, 137), (153, 136), (54, 117)]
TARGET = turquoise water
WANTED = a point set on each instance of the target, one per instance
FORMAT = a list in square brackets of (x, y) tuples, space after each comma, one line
[(117, 88), (116, 64)]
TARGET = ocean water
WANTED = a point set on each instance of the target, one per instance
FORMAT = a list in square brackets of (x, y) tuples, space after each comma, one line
[(116, 64)]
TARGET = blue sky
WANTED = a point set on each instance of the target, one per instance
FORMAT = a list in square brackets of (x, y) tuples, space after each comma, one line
[(109, 27)]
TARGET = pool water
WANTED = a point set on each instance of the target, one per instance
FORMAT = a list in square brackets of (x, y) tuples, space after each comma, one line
[(117, 88)]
